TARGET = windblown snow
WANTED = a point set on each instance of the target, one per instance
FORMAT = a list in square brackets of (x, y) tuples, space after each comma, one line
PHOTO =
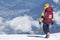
[(55, 36)]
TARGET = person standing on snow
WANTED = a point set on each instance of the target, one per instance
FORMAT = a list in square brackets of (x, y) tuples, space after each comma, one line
[(47, 19)]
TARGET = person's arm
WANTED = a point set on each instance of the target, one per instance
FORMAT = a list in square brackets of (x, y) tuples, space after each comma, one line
[(41, 18)]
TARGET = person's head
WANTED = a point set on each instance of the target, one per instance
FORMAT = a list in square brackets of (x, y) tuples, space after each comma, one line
[(46, 5)]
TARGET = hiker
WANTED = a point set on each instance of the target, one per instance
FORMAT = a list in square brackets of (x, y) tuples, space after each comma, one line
[(47, 19)]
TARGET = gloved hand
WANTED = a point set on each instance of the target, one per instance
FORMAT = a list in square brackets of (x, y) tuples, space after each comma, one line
[(52, 22), (39, 22)]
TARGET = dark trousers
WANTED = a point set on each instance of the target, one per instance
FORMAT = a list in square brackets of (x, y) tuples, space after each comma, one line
[(45, 28)]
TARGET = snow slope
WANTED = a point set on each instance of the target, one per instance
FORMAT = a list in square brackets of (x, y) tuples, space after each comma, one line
[(55, 36)]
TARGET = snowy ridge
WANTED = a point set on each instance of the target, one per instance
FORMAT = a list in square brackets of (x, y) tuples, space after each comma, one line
[(55, 36)]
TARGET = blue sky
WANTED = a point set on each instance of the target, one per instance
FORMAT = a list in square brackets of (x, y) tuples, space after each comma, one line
[(35, 6), (15, 11)]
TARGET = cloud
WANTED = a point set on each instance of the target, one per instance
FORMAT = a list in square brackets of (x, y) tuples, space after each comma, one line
[(1, 26), (57, 17), (9, 13), (22, 23), (57, 1)]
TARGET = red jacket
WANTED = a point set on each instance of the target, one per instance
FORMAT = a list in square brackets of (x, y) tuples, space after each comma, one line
[(48, 15)]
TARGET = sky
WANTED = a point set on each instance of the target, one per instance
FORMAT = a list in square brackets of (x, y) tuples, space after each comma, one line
[(22, 16)]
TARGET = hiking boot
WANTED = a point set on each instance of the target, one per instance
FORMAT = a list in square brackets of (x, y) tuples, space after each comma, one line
[(48, 35)]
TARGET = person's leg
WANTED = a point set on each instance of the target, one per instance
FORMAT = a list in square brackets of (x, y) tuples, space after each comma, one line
[(46, 29)]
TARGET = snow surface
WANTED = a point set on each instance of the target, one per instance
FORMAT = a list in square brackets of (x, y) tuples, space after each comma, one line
[(55, 36)]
